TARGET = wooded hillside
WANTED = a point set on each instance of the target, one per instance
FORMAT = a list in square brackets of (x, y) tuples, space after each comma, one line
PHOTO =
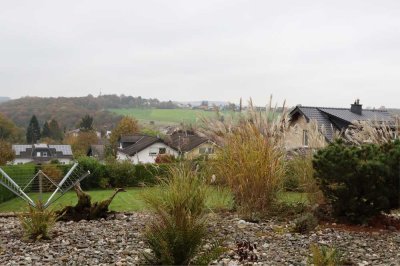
[(68, 111)]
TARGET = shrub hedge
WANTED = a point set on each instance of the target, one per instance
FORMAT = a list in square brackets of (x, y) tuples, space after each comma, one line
[(15, 171), (120, 174), (103, 175), (359, 181)]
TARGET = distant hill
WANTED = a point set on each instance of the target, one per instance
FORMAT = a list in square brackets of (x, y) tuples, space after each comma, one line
[(68, 111), (4, 99), (198, 103)]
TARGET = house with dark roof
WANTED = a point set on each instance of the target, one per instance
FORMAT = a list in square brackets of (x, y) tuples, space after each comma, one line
[(42, 153), (330, 121), (189, 145), (142, 149), (96, 151)]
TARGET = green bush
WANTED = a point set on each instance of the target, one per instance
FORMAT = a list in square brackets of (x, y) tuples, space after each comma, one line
[(121, 174), (359, 181), (98, 172), (305, 223), (178, 227), (149, 174)]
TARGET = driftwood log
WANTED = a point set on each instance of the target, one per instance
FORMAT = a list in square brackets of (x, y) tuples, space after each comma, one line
[(85, 209)]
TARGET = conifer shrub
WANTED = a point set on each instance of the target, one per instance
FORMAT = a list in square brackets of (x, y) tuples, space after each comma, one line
[(359, 181)]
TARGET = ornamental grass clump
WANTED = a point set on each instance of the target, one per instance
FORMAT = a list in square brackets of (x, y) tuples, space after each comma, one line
[(325, 256), (37, 222), (178, 227), (253, 167), (251, 158)]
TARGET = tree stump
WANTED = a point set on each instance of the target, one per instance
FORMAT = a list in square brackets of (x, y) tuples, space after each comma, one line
[(84, 209)]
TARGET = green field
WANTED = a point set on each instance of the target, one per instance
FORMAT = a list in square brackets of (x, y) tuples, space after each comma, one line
[(132, 200), (166, 116)]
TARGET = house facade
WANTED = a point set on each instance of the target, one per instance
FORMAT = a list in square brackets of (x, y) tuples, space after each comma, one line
[(189, 145), (42, 153), (304, 120), (142, 149)]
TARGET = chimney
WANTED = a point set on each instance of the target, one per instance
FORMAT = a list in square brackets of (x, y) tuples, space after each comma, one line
[(356, 107)]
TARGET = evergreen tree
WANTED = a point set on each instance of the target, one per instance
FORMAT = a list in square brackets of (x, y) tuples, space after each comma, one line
[(55, 131), (86, 123), (33, 131), (46, 130)]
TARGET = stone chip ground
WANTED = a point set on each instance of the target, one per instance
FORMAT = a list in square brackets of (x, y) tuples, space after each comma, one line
[(119, 242)]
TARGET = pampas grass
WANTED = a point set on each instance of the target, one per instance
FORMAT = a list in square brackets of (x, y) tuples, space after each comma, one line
[(251, 160)]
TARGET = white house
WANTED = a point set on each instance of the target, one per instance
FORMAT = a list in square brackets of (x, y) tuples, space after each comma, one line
[(142, 149), (189, 145), (42, 153)]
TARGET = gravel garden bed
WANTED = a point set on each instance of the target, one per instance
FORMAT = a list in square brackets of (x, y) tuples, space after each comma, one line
[(117, 241)]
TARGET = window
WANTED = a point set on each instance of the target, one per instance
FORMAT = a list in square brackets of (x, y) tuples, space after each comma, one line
[(44, 154), (305, 138), (153, 152), (162, 151), (208, 150), (38, 154)]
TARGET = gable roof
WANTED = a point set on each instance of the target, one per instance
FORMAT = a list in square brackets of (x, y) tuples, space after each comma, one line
[(186, 141), (331, 119), (141, 143)]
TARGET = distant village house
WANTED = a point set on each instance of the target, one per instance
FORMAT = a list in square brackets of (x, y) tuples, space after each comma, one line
[(142, 149), (42, 154), (189, 145)]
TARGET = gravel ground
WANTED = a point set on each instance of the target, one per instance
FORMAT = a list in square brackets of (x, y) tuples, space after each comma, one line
[(118, 242)]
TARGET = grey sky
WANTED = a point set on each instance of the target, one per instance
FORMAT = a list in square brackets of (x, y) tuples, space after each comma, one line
[(309, 52)]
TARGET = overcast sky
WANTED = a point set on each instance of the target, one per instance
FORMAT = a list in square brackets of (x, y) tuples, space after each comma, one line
[(325, 53)]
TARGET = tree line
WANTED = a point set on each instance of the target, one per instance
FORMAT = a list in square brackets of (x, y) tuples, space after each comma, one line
[(70, 109)]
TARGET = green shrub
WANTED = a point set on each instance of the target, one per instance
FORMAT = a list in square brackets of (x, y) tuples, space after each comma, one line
[(98, 171), (178, 227), (37, 222), (149, 174), (305, 223), (121, 174), (359, 181)]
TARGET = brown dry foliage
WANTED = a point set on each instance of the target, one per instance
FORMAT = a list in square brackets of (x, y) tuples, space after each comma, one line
[(127, 126), (372, 132)]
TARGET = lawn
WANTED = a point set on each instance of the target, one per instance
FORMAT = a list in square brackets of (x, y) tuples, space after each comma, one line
[(174, 116), (125, 201)]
